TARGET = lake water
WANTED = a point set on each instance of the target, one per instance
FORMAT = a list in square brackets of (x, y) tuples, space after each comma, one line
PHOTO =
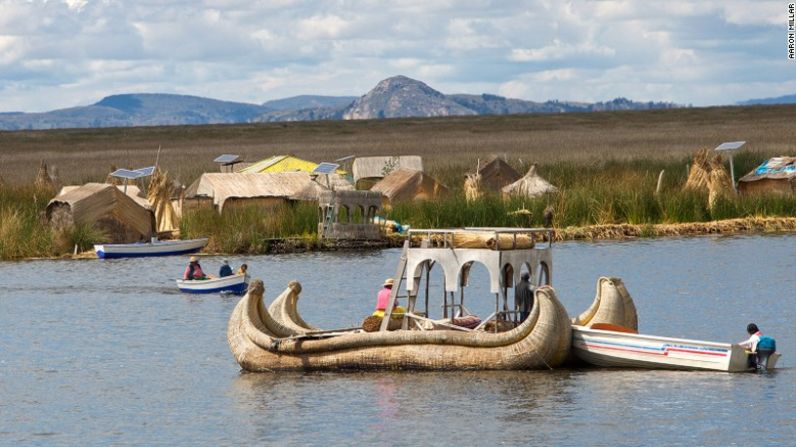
[(109, 353)]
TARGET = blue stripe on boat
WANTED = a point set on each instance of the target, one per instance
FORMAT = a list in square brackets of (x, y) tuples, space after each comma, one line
[(101, 254), (235, 288)]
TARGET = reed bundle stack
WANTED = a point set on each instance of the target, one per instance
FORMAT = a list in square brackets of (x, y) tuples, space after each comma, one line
[(484, 239), (43, 180), (159, 196), (472, 187), (707, 173), (530, 185)]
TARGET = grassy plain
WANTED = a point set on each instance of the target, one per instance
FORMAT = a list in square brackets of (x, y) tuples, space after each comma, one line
[(605, 164)]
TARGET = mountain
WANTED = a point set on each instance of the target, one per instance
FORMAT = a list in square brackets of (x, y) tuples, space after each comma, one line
[(787, 99), (138, 109), (395, 97), (401, 97), (309, 102)]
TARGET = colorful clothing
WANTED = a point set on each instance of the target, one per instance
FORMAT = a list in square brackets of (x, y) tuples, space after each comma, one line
[(193, 271)]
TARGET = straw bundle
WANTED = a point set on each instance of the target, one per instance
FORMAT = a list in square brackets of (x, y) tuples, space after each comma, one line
[(486, 239), (43, 180), (285, 309), (472, 187), (612, 305), (707, 173), (159, 196), (531, 185), (260, 343)]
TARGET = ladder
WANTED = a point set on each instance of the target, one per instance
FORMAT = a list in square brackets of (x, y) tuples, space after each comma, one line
[(398, 280)]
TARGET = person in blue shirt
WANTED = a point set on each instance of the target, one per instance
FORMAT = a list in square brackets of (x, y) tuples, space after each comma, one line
[(225, 269)]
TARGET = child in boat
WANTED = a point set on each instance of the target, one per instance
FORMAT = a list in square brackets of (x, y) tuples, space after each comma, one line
[(193, 270), (242, 269), (383, 299), (761, 346)]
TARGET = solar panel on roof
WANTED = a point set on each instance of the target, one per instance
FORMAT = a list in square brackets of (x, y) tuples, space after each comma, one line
[(126, 174), (145, 171), (730, 146), (227, 158), (326, 168)]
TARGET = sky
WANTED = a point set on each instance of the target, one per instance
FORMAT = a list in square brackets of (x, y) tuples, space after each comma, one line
[(64, 53)]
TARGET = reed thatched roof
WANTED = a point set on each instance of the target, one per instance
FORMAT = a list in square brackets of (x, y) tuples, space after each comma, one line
[(495, 173), (92, 202), (406, 185), (222, 186), (530, 185), (379, 167)]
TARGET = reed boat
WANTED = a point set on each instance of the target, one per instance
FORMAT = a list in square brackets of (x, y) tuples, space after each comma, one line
[(236, 284), (607, 335), (153, 248), (276, 338)]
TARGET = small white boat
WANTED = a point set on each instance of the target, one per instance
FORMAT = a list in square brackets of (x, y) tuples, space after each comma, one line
[(154, 248), (236, 284), (629, 350)]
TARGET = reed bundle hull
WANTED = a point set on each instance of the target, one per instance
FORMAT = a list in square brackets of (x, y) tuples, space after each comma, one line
[(261, 342)]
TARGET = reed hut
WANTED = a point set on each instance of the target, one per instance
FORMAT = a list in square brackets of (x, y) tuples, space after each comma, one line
[(775, 175), (122, 217), (707, 173), (367, 171), (495, 174), (530, 185), (224, 191), (405, 185)]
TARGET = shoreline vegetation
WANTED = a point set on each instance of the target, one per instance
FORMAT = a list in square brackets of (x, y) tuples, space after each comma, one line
[(610, 200), (606, 166)]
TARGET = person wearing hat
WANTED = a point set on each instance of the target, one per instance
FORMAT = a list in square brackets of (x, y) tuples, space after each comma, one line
[(383, 299), (225, 269), (193, 270)]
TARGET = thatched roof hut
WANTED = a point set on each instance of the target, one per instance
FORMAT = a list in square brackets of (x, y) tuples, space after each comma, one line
[(269, 189), (777, 174), (123, 217), (495, 174), (369, 170), (530, 185), (406, 185)]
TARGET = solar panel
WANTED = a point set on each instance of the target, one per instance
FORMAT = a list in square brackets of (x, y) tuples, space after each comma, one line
[(227, 159), (126, 174), (326, 168), (730, 146), (145, 171)]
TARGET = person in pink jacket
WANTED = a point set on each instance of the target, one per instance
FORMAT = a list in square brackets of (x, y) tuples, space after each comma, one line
[(193, 270)]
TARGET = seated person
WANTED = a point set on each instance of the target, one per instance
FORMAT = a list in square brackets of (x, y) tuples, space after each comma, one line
[(225, 269), (193, 271), (383, 300)]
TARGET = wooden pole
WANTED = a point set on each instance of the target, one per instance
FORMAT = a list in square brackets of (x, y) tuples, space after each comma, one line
[(660, 182)]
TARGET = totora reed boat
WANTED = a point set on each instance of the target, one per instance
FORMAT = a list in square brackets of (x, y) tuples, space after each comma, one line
[(277, 338)]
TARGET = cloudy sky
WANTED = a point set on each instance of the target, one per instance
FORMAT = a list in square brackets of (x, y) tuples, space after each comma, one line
[(62, 53)]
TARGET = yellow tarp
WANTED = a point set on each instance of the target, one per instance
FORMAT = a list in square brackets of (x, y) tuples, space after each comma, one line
[(283, 163)]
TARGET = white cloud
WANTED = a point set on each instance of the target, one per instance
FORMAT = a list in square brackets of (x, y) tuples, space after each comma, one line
[(60, 53)]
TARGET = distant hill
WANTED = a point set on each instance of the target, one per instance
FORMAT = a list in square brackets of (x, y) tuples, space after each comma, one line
[(395, 97), (138, 109), (787, 99), (309, 102)]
